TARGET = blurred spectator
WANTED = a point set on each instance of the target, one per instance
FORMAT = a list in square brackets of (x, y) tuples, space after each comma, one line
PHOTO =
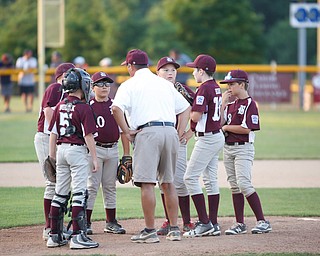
[(80, 62), (181, 59), (5, 81), (56, 60), (105, 63), (26, 78)]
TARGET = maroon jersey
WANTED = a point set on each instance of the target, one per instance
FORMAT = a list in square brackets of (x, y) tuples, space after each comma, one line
[(108, 130), (80, 116), (51, 98), (207, 100), (242, 112)]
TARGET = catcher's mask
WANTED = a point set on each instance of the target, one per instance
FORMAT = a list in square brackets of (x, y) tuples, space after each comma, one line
[(77, 78)]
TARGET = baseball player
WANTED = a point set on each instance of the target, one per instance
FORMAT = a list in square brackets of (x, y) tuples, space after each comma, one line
[(167, 69), (152, 104), (239, 120), (72, 128), (205, 122), (107, 154), (51, 97)]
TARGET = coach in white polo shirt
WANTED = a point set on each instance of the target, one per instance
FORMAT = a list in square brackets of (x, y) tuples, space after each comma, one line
[(152, 104)]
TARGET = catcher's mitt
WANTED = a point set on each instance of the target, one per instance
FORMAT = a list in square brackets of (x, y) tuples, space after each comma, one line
[(124, 171), (50, 169), (184, 92)]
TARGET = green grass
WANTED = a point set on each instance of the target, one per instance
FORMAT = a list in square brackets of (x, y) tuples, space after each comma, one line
[(17, 133), (284, 134), (288, 135), (23, 206)]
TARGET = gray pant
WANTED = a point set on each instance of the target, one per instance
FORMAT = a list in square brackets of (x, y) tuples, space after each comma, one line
[(72, 173), (108, 160), (204, 160), (238, 160)]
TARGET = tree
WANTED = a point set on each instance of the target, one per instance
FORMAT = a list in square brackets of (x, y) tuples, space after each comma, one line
[(281, 38), (283, 48), (18, 22), (84, 30), (160, 35), (125, 26), (271, 13), (231, 32)]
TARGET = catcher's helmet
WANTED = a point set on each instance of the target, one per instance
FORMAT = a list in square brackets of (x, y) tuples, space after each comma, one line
[(77, 78)]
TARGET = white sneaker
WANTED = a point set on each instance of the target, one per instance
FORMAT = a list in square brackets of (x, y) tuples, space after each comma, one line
[(81, 241), (200, 229), (216, 231), (45, 233), (56, 240), (262, 226), (174, 234), (114, 227), (237, 228), (146, 237)]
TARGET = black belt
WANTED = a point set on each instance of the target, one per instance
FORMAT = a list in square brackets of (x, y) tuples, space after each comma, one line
[(71, 144), (106, 145), (237, 143), (200, 134), (158, 123)]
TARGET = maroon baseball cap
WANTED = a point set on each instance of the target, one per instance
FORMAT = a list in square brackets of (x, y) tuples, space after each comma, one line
[(235, 76), (101, 76), (62, 68), (205, 62), (136, 57), (167, 60)]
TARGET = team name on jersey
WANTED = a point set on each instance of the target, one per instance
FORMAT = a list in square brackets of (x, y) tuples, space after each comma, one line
[(67, 107)]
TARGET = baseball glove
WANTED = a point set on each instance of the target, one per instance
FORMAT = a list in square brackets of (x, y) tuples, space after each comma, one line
[(124, 171), (184, 92), (50, 169)]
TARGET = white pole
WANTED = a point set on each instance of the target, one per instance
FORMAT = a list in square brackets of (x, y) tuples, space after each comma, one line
[(302, 60), (318, 46), (41, 49)]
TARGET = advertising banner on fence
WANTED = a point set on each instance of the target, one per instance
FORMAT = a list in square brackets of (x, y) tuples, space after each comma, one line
[(270, 87)]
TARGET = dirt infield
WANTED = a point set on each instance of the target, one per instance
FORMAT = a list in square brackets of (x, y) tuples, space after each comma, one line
[(266, 173), (290, 234)]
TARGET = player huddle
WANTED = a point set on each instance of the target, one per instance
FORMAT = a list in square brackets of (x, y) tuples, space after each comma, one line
[(79, 126)]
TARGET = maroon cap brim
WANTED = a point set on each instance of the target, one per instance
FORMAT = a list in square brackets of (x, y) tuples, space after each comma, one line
[(190, 65), (176, 65), (108, 79), (232, 80)]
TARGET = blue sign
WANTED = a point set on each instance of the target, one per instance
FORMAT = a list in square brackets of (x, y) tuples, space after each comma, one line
[(304, 15)]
